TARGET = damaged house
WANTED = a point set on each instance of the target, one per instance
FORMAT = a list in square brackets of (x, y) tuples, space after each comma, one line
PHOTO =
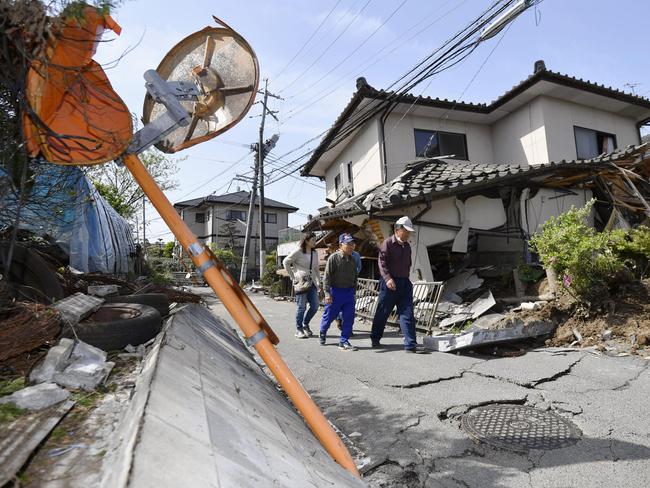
[(479, 179)]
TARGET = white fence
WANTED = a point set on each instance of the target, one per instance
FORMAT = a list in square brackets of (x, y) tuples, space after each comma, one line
[(426, 297)]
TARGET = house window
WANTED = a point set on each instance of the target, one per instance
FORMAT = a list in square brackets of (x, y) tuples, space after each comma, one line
[(236, 215), (270, 218), (199, 217), (337, 184), (350, 180), (590, 143), (431, 143)]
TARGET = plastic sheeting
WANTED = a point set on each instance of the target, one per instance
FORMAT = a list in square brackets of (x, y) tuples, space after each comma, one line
[(66, 208)]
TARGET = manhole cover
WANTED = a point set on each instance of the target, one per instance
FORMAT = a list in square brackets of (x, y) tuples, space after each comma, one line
[(519, 428)]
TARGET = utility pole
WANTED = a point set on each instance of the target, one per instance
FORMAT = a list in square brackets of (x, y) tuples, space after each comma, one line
[(249, 224), (144, 228), (262, 150)]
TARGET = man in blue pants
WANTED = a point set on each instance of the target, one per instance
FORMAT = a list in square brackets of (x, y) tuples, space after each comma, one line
[(395, 287), (339, 285)]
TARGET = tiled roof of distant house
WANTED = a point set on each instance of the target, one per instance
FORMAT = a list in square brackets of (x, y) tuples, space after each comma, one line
[(236, 198)]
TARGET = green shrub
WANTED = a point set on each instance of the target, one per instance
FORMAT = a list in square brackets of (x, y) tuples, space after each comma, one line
[(270, 276), (581, 256), (633, 248)]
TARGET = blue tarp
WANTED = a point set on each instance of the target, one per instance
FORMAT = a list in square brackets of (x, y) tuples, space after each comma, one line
[(65, 206)]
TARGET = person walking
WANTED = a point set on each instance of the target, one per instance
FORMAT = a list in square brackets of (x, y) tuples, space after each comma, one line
[(395, 287), (302, 267), (339, 285), (357, 261)]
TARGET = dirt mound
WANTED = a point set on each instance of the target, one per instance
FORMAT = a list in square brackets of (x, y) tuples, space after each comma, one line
[(626, 314)]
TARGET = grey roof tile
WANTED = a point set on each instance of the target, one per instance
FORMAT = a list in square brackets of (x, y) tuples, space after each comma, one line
[(438, 176)]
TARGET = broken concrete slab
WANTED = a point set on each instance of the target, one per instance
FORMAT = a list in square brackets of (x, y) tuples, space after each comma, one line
[(19, 439), (37, 397), (477, 308), (519, 329), (84, 374), (75, 308), (57, 358), (465, 280), (73, 364), (103, 290), (487, 321), (213, 417), (87, 352)]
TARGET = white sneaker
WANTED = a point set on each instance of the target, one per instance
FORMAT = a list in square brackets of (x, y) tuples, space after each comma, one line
[(300, 334)]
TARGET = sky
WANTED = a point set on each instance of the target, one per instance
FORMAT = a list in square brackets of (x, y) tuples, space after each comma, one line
[(312, 53)]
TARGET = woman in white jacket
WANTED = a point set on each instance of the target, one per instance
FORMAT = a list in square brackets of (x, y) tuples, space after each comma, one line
[(302, 267)]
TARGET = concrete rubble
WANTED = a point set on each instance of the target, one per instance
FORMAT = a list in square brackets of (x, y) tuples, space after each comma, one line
[(512, 329), (37, 397), (75, 308), (103, 290), (73, 364)]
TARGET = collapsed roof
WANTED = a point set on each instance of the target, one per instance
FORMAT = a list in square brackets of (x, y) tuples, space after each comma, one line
[(623, 176)]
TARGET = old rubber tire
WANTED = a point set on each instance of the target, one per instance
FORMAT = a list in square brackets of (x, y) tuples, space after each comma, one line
[(116, 325), (31, 271), (159, 301)]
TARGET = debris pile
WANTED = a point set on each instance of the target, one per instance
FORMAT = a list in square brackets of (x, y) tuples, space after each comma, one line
[(28, 326), (622, 324)]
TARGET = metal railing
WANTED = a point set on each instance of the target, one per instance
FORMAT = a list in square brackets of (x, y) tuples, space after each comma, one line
[(426, 297)]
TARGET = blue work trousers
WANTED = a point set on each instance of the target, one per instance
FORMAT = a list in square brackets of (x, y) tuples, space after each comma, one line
[(302, 299), (342, 301), (402, 297)]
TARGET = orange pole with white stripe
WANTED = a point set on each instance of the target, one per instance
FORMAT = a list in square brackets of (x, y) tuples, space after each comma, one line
[(245, 314)]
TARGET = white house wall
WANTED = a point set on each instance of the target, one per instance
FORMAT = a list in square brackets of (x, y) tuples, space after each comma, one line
[(520, 137), (560, 117), (550, 202), (400, 139), (363, 152)]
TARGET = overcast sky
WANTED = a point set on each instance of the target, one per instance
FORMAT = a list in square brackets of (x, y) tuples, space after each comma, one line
[(597, 40)]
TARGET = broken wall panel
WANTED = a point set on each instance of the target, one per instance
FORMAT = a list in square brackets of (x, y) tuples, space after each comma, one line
[(548, 202)]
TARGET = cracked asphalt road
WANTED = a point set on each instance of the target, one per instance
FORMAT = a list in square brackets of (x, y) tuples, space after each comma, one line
[(401, 412)]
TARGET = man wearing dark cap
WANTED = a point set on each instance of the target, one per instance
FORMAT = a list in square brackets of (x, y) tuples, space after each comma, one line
[(395, 287), (339, 284)]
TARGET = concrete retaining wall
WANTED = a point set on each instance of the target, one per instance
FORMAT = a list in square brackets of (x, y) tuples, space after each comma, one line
[(205, 414)]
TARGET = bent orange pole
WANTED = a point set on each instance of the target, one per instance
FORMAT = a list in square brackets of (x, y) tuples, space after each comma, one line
[(230, 294)]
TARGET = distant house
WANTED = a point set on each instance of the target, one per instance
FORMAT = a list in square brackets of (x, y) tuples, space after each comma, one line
[(480, 178), (221, 219)]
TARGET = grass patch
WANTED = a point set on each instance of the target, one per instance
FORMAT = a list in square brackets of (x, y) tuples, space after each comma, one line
[(10, 412), (7, 387)]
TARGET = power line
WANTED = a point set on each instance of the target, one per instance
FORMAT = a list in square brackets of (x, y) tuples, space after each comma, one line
[(217, 175), (359, 46), (326, 50), (360, 68), (454, 53)]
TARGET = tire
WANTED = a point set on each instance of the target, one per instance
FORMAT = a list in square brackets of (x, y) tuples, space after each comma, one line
[(116, 325), (33, 272), (159, 301)]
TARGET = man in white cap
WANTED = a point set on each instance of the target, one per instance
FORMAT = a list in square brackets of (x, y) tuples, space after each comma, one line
[(395, 287)]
